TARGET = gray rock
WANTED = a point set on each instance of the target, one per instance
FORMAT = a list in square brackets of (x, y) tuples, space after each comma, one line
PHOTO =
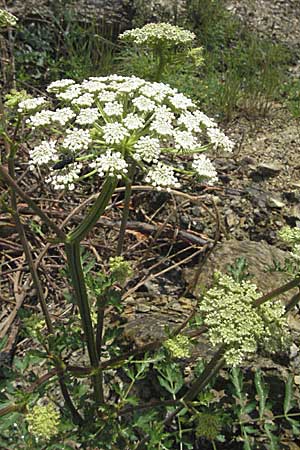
[(275, 201), (268, 169), (260, 257)]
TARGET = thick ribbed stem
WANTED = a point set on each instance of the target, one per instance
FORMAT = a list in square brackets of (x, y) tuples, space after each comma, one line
[(95, 211), (78, 282), (125, 215)]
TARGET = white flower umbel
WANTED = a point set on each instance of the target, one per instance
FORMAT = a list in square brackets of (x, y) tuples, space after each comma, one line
[(43, 154), (112, 164), (87, 116), (86, 99), (66, 177), (63, 115), (232, 319), (184, 140), (60, 85), (219, 139), (162, 176), (144, 104), (181, 102), (147, 149), (152, 34), (31, 104), (131, 120), (77, 140), (113, 109), (114, 133), (107, 96), (205, 169), (40, 119), (72, 92)]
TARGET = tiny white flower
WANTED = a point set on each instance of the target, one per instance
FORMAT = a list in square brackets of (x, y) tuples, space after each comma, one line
[(31, 104), (40, 119), (87, 116), (114, 133), (147, 149), (113, 109), (43, 154), (143, 104), (58, 85), (111, 164), (162, 176), (86, 99), (133, 121), (63, 115), (77, 139), (204, 168)]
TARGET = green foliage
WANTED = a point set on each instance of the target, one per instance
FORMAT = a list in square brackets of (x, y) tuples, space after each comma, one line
[(257, 414), (65, 46)]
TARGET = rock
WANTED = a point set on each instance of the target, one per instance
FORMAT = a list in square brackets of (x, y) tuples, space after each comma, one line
[(268, 169), (260, 258), (294, 212), (275, 201), (154, 316)]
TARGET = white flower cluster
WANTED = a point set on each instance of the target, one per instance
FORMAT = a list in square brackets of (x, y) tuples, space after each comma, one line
[(162, 176), (106, 123), (233, 320), (205, 169), (292, 237), (31, 104), (66, 177), (7, 19), (154, 34), (111, 164)]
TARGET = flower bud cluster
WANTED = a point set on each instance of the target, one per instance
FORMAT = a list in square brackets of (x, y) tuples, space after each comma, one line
[(7, 19), (233, 320), (292, 237), (179, 346), (104, 124), (43, 422), (120, 269), (154, 34)]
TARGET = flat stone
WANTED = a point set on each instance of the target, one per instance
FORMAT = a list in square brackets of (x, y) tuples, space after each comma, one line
[(275, 202), (260, 258), (268, 169)]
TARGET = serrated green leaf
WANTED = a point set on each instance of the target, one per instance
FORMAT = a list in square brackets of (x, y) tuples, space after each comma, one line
[(262, 392), (272, 438), (288, 397)]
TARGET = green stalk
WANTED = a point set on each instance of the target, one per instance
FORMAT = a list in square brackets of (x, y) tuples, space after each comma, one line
[(125, 215), (95, 212), (78, 282), (161, 63)]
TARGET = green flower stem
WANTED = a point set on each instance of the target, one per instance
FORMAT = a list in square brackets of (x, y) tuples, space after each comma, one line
[(74, 263), (159, 52), (125, 209), (95, 212)]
